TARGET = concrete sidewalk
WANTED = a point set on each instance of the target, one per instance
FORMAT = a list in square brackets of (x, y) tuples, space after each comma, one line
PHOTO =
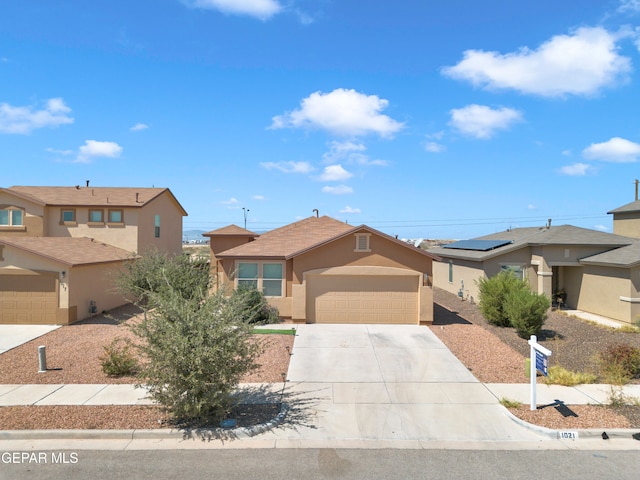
[(356, 393)]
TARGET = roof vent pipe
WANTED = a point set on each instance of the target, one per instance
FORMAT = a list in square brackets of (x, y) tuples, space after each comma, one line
[(317, 213), (549, 223), (87, 183), (137, 195)]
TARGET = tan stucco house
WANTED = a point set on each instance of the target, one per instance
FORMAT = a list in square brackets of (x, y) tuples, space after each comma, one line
[(61, 246), (599, 272), (322, 270)]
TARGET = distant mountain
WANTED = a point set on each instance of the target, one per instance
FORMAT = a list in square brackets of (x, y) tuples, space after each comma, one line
[(193, 235)]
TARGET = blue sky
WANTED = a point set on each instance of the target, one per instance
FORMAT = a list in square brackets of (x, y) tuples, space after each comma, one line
[(420, 118)]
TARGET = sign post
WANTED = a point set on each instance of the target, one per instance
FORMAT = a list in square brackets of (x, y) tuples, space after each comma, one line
[(539, 360)]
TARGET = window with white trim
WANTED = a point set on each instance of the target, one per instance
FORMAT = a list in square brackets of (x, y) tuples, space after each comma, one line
[(267, 277), (11, 217), (362, 242)]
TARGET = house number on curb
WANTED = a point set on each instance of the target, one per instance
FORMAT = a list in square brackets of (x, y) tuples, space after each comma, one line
[(570, 435)]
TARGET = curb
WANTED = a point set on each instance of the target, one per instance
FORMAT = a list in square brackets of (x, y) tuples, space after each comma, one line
[(627, 433), (147, 434)]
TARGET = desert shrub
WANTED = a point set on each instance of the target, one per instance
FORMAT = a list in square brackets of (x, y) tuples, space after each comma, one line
[(492, 293), (117, 359), (527, 311), (619, 363), (253, 307), (560, 376)]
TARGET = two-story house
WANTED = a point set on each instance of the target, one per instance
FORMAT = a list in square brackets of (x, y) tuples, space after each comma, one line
[(60, 247)]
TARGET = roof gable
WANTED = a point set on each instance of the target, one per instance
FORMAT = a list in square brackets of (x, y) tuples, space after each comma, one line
[(300, 237), (231, 230), (287, 240)]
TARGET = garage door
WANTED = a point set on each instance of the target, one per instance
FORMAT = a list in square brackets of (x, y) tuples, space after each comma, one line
[(362, 299), (28, 299)]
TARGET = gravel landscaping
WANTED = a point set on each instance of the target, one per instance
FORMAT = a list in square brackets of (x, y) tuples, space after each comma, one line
[(492, 354)]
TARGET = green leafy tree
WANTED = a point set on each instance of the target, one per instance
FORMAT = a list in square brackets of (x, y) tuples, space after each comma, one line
[(492, 293), (526, 310), (156, 271), (196, 346), (197, 352)]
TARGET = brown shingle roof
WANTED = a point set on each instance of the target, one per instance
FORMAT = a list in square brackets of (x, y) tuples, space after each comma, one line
[(70, 251), (231, 230), (285, 241), (91, 196)]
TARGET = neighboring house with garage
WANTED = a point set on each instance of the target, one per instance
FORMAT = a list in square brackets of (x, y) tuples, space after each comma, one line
[(61, 246), (322, 270), (599, 272)]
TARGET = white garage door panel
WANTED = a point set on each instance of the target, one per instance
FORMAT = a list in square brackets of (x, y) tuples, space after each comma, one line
[(353, 299)]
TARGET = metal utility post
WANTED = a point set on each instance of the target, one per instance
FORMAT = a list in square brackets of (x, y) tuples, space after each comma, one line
[(42, 359)]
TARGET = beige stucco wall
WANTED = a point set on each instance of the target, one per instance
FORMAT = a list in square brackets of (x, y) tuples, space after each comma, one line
[(121, 236), (170, 226), (384, 253), (627, 224), (137, 232), (32, 220), (601, 290), (464, 273), (93, 282)]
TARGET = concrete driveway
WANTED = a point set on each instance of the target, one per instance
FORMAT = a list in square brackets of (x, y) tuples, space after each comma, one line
[(12, 336), (384, 382)]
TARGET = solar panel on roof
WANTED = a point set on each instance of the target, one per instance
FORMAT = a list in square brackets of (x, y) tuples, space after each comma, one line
[(477, 245)]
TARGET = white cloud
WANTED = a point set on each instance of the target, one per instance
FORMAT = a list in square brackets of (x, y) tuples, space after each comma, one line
[(334, 173), (262, 9), (602, 228), (95, 149), (258, 197), (632, 6), (342, 150), (581, 63), (350, 152), (481, 121), (289, 167), (348, 209), (576, 170), (531, 207), (434, 147), (23, 120), (337, 190), (566, 153), (139, 126), (59, 152), (618, 150), (232, 201), (341, 112)]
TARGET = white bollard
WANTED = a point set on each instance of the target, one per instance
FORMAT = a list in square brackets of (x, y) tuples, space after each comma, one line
[(42, 358)]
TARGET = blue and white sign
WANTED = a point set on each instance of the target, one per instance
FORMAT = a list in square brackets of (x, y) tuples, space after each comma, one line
[(542, 363), (539, 360)]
